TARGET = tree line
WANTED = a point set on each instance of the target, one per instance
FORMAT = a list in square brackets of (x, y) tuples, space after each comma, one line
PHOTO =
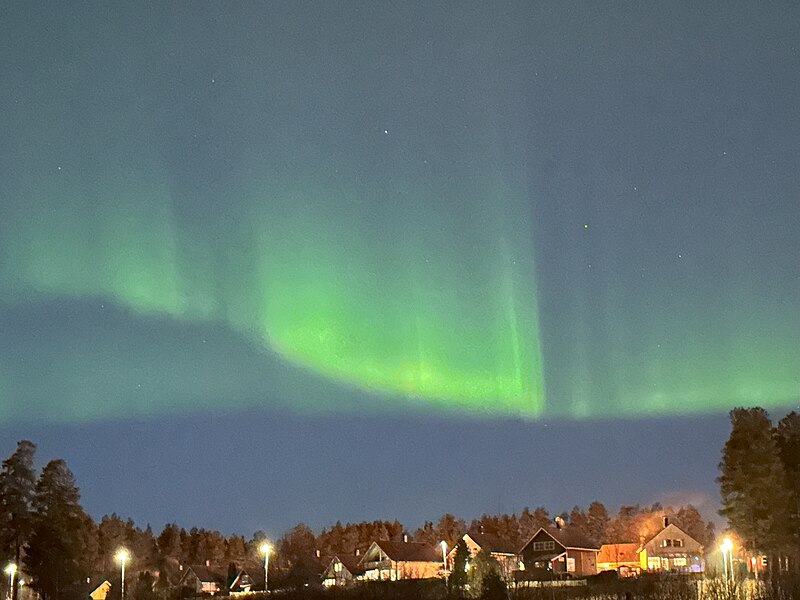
[(57, 545)]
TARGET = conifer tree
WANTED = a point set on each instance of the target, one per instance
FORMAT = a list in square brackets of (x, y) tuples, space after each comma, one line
[(54, 554), (17, 491), (752, 482)]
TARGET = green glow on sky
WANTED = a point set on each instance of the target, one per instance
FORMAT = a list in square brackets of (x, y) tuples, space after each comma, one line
[(405, 302)]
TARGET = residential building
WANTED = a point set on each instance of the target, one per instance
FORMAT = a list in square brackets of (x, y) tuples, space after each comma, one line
[(385, 560), (558, 552), (623, 558), (672, 549), (204, 579), (342, 570), (502, 550)]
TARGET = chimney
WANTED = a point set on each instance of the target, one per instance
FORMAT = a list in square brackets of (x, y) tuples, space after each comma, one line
[(666, 521)]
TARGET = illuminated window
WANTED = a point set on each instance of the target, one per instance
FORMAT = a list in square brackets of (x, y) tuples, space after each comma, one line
[(679, 561), (677, 543)]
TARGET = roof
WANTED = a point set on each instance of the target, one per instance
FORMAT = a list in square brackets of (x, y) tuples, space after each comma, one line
[(569, 537), (492, 543), (205, 573), (617, 553), (671, 526), (409, 551)]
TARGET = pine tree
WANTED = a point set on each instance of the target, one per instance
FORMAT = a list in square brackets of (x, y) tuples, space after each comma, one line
[(17, 491), (752, 484), (458, 577), (787, 440), (597, 522), (54, 554)]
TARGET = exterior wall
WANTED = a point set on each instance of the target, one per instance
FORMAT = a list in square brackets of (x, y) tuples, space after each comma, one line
[(387, 570), (530, 553), (584, 560)]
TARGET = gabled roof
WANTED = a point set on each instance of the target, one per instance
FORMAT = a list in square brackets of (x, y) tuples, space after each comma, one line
[(492, 543), (407, 551), (672, 526), (351, 562), (617, 553), (208, 574), (569, 537)]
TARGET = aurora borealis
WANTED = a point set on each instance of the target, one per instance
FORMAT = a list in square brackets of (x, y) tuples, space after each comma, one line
[(353, 208)]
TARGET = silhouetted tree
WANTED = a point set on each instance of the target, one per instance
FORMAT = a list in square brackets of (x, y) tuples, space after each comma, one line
[(54, 554), (17, 492), (787, 441), (597, 520), (752, 482), (458, 576)]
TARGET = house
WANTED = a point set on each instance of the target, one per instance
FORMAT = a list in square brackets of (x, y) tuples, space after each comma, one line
[(558, 552), (503, 551), (623, 558), (342, 570), (385, 560), (672, 549), (204, 579), (101, 591), (245, 583)]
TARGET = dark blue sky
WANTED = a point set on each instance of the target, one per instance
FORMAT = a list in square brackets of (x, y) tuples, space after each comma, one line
[(267, 263)]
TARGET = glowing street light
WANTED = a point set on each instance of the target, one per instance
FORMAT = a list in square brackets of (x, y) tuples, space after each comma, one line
[(265, 550), (122, 557), (444, 559), (726, 547), (11, 570)]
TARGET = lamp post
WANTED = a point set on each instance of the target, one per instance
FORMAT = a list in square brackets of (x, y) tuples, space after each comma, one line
[(443, 544), (11, 570), (726, 547), (265, 550), (122, 557)]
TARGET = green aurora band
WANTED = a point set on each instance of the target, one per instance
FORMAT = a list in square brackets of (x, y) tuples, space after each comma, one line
[(402, 301)]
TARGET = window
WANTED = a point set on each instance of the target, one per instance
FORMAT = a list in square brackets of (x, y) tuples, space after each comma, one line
[(679, 561), (550, 545), (677, 543), (666, 543)]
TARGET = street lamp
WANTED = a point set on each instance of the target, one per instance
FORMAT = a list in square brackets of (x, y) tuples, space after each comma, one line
[(265, 550), (726, 547), (443, 544), (122, 557), (11, 570)]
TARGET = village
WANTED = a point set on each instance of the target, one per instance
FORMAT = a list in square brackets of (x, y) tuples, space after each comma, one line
[(557, 555)]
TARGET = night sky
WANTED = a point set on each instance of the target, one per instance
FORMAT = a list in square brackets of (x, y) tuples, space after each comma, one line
[(263, 263)]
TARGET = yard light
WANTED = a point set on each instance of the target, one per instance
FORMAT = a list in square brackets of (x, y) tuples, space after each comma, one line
[(726, 547), (443, 544), (265, 550), (11, 570), (122, 557)]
